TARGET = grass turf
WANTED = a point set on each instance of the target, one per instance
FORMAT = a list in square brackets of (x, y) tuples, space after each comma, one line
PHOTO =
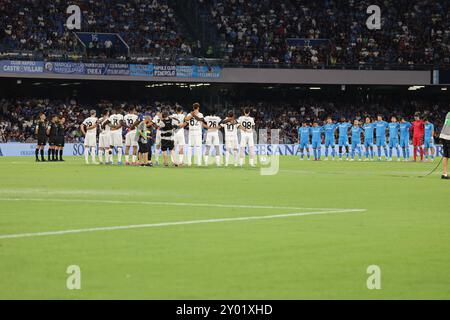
[(405, 231)]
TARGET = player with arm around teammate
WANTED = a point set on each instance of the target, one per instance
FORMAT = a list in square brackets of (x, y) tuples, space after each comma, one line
[(230, 126), (116, 124), (194, 120), (418, 128), (343, 127), (316, 140), (52, 133), (380, 135), (247, 125), (89, 130), (131, 120), (369, 129), (303, 140), (356, 140), (394, 128), (104, 138), (405, 127), (330, 142), (212, 124), (60, 141), (180, 140)]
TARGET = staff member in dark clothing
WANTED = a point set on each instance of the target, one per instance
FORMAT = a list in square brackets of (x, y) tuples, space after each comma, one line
[(445, 137), (60, 138), (52, 132), (41, 135), (167, 128)]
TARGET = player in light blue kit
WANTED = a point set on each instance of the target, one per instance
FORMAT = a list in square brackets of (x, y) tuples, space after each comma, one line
[(343, 127), (303, 140), (428, 140), (405, 127), (380, 135), (329, 129), (369, 129), (394, 127), (316, 132), (356, 140)]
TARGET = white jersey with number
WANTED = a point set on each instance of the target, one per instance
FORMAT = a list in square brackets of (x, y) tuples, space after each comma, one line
[(104, 139), (115, 120), (131, 119), (195, 126), (248, 123), (88, 122), (179, 133), (231, 136), (212, 136), (90, 139)]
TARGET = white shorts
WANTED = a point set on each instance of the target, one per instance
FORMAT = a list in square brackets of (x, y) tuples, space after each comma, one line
[(212, 139), (247, 139), (179, 139), (116, 138), (195, 139), (231, 142), (104, 140), (90, 140), (130, 139), (158, 138)]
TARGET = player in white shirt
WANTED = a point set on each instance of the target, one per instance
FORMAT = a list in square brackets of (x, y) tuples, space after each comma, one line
[(116, 123), (212, 123), (179, 138), (131, 121), (104, 139), (157, 121), (247, 124), (230, 126), (195, 120), (89, 129)]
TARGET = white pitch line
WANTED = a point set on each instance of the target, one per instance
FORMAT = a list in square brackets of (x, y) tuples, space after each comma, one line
[(176, 204), (178, 223)]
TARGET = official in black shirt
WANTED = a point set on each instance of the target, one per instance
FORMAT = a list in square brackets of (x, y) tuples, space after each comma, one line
[(41, 136), (52, 132), (60, 136), (167, 127)]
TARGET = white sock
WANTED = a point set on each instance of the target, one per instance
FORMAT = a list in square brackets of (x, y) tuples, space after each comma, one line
[(127, 158), (181, 156), (206, 160), (93, 154), (86, 154), (189, 156), (252, 162), (227, 157), (119, 154), (110, 156), (241, 161), (100, 156), (198, 153), (157, 152), (218, 160), (133, 158), (235, 156)]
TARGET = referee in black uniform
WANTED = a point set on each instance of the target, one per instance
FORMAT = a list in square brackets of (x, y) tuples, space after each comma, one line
[(52, 132), (41, 135), (60, 136)]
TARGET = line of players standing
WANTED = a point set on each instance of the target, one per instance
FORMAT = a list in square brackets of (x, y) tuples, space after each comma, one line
[(363, 135), (52, 132), (170, 135)]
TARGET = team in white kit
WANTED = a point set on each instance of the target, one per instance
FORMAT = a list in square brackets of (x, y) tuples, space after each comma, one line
[(110, 137)]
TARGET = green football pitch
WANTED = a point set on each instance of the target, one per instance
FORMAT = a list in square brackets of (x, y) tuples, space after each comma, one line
[(309, 232)]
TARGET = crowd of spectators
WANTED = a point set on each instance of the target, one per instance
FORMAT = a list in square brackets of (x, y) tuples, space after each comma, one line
[(147, 26), (413, 32), (255, 31), (18, 117)]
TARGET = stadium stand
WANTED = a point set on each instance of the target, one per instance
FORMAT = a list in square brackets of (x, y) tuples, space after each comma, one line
[(255, 32)]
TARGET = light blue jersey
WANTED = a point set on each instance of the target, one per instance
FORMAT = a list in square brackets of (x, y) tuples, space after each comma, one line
[(404, 134), (380, 133), (329, 130), (343, 133), (304, 133), (316, 133), (356, 136), (428, 137), (394, 128), (369, 129)]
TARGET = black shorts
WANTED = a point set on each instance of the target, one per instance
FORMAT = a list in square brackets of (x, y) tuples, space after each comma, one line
[(143, 147), (59, 142), (446, 148), (52, 141), (42, 140), (167, 145)]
